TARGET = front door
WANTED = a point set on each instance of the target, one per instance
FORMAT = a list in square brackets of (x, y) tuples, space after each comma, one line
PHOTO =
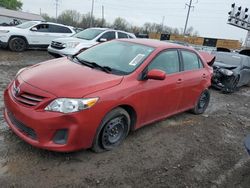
[(161, 97)]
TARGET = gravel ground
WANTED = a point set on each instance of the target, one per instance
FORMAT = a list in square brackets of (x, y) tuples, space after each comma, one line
[(185, 150)]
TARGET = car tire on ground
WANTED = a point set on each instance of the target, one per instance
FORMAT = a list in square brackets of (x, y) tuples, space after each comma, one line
[(202, 103), (113, 130), (17, 44)]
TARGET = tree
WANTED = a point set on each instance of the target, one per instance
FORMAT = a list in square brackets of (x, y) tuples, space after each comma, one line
[(11, 4), (69, 17), (120, 24), (48, 18)]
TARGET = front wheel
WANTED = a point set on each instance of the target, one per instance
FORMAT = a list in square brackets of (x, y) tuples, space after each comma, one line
[(202, 103), (17, 44), (112, 131)]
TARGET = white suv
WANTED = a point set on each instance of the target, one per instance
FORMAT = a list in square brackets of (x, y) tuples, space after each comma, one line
[(85, 39), (32, 34)]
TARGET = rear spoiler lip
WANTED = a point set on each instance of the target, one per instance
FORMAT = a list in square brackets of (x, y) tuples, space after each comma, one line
[(209, 58)]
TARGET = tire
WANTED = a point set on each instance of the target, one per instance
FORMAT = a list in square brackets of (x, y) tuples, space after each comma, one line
[(202, 103), (17, 44), (113, 130)]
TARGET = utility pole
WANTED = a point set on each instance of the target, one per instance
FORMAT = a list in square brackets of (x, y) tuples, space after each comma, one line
[(102, 15), (91, 15), (189, 7), (162, 24), (57, 4)]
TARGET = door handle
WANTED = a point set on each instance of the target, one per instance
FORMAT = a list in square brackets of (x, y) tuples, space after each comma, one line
[(179, 81)]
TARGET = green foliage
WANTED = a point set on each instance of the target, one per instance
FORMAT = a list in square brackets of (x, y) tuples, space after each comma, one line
[(11, 4)]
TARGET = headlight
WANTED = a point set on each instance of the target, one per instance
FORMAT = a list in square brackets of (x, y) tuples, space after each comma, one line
[(66, 105), (4, 31), (226, 72), (72, 44)]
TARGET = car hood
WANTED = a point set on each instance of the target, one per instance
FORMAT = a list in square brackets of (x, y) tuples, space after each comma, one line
[(73, 39), (223, 65), (64, 78), (10, 28)]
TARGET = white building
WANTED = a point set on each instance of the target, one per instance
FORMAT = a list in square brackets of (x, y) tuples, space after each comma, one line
[(7, 16)]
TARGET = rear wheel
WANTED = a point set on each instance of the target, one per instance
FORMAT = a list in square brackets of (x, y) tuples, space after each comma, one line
[(17, 44), (112, 131), (202, 103)]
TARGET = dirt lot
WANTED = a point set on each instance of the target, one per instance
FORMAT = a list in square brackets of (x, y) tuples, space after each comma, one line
[(183, 151)]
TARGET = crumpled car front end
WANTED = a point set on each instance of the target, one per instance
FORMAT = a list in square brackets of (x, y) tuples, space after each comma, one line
[(225, 79)]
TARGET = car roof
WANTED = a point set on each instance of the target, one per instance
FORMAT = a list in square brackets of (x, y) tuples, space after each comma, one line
[(156, 43), (110, 29)]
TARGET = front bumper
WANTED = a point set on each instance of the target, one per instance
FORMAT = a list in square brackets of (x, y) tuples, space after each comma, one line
[(39, 127), (62, 52)]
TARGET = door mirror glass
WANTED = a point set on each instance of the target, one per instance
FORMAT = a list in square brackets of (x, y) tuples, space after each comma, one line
[(156, 74), (33, 29), (103, 40)]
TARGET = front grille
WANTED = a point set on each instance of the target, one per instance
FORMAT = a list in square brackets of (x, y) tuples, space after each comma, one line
[(21, 127), (57, 45), (26, 98)]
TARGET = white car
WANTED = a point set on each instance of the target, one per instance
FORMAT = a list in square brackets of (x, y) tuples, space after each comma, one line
[(85, 39), (32, 34)]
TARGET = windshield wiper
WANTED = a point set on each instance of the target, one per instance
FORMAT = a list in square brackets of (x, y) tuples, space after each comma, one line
[(94, 65)]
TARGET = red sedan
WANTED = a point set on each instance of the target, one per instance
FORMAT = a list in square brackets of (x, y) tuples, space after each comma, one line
[(94, 99)]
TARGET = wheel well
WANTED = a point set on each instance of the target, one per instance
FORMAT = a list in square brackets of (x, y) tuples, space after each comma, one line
[(132, 114), (13, 36)]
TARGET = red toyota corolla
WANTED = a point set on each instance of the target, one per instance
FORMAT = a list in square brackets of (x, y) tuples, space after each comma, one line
[(94, 99)]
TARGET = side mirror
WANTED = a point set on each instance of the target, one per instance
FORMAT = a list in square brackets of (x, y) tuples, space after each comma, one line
[(156, 74), (103, 40), (33, 29)]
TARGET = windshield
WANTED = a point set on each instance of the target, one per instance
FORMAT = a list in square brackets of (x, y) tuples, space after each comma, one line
[(88, 34), (121, 57), (228, 59), (26, 25)]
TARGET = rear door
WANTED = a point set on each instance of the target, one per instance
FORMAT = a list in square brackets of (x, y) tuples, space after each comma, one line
[(195, 77), (161, 97)]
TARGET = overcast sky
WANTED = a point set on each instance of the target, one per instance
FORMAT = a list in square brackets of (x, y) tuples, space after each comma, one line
[(208, 17)]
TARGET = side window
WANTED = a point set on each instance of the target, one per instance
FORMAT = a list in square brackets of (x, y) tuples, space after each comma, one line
[(190, 61), (42, 28), (167, 61), (122, 35), (59, 29), (109, 35)]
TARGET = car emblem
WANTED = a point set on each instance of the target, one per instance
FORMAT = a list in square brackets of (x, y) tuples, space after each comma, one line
[(16, 90)]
